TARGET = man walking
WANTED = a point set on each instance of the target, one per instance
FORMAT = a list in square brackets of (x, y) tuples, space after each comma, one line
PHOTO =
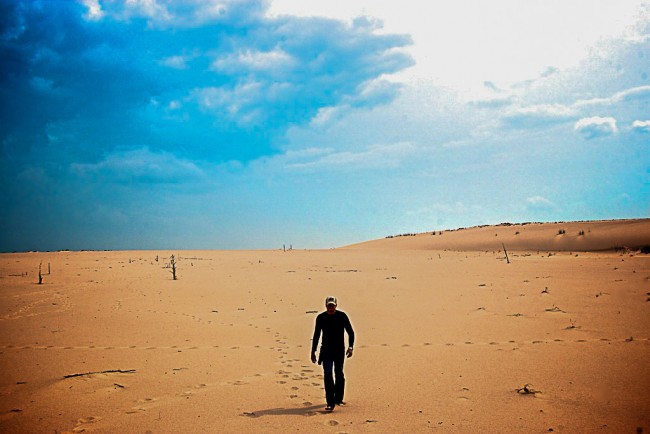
[(332, 354)]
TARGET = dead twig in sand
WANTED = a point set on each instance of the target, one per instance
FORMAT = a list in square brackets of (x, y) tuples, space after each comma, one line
[(554, 309), (527, 390), (506, 252), (110, 371), (172, 261), (572, 326)]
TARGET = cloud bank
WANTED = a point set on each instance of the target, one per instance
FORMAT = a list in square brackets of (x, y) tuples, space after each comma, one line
[(219, 80)]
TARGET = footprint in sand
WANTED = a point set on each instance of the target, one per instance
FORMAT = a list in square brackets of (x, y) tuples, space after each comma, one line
[(146, 400), (332, 422), (84, 421), (135, 410), (89, 419)]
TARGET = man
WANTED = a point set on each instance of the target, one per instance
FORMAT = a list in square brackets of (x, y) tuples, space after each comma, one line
[(332, 323)]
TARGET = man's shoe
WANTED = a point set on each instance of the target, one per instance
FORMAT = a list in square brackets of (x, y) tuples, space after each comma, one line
[(329, 408), (340, 403)]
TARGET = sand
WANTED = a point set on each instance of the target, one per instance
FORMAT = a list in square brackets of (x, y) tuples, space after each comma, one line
[(445, 338)]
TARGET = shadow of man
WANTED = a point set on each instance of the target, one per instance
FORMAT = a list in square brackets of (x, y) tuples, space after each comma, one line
[(304, 411)]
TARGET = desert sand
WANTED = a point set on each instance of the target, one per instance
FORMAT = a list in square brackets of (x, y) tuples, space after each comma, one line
[(451, 337)]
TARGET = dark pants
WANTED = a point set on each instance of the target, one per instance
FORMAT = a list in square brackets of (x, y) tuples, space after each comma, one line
[(334, 385)]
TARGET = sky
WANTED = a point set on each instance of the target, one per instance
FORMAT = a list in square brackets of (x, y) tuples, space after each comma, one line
[(230, 124)]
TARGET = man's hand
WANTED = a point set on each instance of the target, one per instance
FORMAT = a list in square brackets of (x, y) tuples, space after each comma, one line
[(349, 352), (313, 357)]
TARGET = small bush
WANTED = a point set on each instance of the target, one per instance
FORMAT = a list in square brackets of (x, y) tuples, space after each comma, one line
[(561, 232)]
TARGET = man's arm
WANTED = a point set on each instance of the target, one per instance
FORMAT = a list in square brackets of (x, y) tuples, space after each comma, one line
[(348, 328), (314, 340)]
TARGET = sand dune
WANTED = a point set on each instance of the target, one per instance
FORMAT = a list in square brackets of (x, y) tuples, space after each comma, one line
[(564, 236), (449, 341)]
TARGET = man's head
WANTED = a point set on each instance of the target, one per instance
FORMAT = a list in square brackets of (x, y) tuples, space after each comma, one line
[(330, 304)]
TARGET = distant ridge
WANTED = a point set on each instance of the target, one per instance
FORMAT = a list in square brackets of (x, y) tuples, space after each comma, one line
[(578, 236)]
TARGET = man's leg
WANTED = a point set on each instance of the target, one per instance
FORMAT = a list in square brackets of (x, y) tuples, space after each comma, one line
[(339, 388), (329, 382)]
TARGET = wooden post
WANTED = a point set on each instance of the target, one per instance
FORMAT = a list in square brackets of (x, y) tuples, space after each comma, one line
[(506, 252), (40, 275)]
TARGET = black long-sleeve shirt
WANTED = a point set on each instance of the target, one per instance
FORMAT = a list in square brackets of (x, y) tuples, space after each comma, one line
[(332, 327)]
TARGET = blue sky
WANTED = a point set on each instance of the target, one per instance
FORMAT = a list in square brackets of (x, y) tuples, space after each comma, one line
[(151, 124)]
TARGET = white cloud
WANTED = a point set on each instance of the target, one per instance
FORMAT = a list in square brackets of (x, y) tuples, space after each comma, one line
[(535, 115), (463, 43), (176, 62), (140, 165), (95, 11), (151, 9), (162, 14), (327, 115), (236, 104), (594, 127), (254, 60), (521, 116), (383, 155), (641, 126), (539, 201), (369, 94), (627, 95)]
